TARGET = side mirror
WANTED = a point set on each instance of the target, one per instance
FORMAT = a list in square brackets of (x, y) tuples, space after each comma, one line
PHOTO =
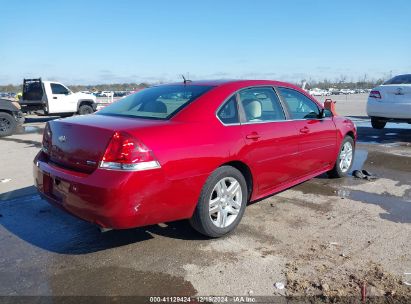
[(324, 113), (330, 106)]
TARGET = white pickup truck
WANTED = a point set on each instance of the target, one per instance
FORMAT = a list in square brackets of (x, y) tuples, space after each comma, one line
[(53, 98)]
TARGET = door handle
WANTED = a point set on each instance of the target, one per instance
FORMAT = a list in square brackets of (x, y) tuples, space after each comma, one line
[(54, 97), (253, 136), (305, 130)]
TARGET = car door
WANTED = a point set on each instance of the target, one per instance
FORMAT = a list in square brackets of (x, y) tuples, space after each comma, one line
[(271, 141), (317, 136), (62, 99)]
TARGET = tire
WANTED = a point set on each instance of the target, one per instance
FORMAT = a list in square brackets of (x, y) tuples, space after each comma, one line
[(85, 109), (341, 170), (377, 124), (212, 224), (8, 124)]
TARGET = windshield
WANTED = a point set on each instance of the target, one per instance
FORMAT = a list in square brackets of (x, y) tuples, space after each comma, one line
[(160, 102)]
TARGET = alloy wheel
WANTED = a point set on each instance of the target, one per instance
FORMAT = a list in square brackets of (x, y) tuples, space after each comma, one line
[(5, 125), (346, 157), (225, 202)]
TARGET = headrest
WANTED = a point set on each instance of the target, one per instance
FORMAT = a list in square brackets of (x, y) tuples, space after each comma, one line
[(252, 108)]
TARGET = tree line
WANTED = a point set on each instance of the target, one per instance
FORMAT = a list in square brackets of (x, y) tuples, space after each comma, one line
[(340, 83)]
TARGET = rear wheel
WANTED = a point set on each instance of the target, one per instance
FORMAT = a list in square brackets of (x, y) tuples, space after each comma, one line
[(377, 124), (85, 109), (345, 158), (222, 203), (7, 124)]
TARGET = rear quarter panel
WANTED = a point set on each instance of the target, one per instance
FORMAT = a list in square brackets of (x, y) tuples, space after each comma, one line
[(189, 153)]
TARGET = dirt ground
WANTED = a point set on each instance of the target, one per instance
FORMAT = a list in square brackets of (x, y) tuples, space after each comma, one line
[(330, 238)]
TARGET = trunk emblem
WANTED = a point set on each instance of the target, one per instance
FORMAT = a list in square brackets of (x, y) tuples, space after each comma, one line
[(62, 138), (399, 92)]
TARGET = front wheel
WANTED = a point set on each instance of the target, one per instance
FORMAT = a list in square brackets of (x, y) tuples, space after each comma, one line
[(221, 204), (7, 124), (85, 109), (345, 158)]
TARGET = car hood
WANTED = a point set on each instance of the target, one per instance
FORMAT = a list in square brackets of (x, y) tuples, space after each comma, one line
[(85, 96)]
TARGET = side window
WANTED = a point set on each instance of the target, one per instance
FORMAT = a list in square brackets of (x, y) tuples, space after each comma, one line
[(228, 113), (299, 105), (261, 104), (58, 89)]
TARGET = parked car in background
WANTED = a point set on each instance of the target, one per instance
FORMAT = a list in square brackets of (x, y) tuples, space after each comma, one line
[(319, 92), (107, 94), (54, 98), (199, 150), (334, 91), (390, 101), (120, 93), (10, 117)]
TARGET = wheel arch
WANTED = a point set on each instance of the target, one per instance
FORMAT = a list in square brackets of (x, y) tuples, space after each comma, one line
[(7, 112), (351, 134), (245, 171), (88, 102)]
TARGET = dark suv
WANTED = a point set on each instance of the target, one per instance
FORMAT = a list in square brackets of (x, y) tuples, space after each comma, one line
[(10, 117)]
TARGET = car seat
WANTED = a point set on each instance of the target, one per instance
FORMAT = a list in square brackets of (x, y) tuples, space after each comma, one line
[(253, 109), (155, 107)]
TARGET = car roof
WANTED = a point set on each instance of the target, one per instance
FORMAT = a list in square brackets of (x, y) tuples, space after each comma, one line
[(221, 82)]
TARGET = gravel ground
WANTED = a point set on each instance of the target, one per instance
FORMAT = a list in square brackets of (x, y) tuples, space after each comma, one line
[(325, 237)]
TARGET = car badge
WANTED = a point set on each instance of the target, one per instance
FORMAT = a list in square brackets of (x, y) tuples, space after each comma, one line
[(62, 138), (399, 92)]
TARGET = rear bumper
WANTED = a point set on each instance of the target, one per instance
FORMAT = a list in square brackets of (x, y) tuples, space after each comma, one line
[(111, 199), (388, 110)]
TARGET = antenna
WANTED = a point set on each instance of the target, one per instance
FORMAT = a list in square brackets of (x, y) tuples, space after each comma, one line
[(184, 79)]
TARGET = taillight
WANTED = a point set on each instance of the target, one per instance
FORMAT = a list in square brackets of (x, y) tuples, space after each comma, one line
[(375, 94), (125, 152), (46, 144)]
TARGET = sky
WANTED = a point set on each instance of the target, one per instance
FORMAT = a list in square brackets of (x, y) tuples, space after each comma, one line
[(92, 42)]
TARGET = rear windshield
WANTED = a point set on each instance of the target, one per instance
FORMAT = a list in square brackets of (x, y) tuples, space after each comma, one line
[(401, 79), (160, 102)]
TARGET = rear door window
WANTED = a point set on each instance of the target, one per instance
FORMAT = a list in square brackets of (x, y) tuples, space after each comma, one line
[(261, 104), (299, 105)]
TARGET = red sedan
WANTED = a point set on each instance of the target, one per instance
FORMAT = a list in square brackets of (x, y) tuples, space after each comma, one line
[(196, 150)]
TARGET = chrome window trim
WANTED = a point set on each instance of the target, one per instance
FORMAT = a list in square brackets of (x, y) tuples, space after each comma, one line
[(287, 116)]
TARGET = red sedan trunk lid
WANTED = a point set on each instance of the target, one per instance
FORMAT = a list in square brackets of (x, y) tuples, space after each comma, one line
[(79, 143)]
